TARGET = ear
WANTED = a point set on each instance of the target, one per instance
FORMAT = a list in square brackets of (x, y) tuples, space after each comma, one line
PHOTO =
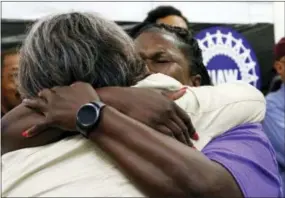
[(196, 80), (279, 67)]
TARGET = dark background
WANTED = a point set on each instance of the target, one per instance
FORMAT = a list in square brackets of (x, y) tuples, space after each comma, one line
[(260, 36)]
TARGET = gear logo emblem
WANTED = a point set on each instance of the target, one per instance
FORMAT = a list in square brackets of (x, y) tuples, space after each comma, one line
[(228, 56)]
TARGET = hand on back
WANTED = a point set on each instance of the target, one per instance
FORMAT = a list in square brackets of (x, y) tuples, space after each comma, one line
[(151, 107)]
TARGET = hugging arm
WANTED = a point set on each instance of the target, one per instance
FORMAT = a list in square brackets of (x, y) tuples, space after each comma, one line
[(144, 105), (239, 163), (17, 121), (161, 165)]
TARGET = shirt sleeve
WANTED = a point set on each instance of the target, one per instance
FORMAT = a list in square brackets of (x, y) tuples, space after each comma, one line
[(273, 125), (247, 154), (216, 109)]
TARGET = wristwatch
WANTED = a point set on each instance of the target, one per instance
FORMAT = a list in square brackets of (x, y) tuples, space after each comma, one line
[(88, 117)]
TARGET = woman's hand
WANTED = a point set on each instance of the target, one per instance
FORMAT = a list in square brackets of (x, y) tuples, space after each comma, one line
[(14, 125), (150, 107), (153, 108), (60, 105)]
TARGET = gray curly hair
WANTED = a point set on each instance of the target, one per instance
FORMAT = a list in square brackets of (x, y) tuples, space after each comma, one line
[(64, 48)]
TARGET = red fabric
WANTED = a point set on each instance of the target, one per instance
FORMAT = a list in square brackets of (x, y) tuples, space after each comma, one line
[(279, 50)]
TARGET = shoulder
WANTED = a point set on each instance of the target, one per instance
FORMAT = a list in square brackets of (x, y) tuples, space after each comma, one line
[(246, 153), (159, 81), (277, 98), (275, 106), (243, 90), (232, 92), (270, 98)]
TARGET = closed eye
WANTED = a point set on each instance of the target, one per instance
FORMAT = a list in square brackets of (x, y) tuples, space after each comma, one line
[(162, 61)]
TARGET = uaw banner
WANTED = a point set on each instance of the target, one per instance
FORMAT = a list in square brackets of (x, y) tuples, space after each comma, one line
[(228, 56)]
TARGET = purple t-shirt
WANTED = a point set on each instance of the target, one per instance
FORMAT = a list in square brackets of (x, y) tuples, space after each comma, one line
[(247, 154)]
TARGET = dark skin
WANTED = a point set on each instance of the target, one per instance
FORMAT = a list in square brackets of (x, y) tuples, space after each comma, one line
[(10, 97), (173, 20), (162, 54), (18, 120), (160, 165), (279, 66), (150, 107)]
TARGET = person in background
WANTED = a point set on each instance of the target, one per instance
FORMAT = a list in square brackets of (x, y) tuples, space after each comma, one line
[(163, 14), (167, 15), (274, 122), (275, 84), (10, 97)]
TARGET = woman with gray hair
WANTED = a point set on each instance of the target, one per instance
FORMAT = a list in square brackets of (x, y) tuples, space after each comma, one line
[(160, 165), (101, 54)]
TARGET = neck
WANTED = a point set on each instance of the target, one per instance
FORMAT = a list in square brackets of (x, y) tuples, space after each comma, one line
[(142, 76)]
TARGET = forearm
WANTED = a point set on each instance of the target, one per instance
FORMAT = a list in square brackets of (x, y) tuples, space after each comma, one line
[(172, 162), (141, 175), (22, 118)]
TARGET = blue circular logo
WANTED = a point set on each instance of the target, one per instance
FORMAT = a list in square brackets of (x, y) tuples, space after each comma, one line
[(228, 56)]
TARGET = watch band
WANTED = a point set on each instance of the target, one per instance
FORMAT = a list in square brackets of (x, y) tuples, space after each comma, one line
[(99, 104)]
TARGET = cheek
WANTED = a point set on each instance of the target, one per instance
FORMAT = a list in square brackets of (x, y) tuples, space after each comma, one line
[(8, 85)]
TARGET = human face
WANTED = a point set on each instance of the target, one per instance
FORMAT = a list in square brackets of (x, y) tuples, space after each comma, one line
[(280, 68), (173, 20), (10, 96), (162, 55)]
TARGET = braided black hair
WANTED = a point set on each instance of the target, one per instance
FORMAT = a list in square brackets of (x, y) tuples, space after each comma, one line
[(186, 37), (163, 11)]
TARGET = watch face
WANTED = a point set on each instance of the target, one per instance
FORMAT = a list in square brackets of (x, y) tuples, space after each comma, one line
[(88, 115)]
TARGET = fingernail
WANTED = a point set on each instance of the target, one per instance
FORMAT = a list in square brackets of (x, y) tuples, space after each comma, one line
[(184, 89), (194, 147), (195, 136), (25, 134)]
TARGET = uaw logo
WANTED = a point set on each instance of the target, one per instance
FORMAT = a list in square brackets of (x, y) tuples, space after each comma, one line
[(228, 56)]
